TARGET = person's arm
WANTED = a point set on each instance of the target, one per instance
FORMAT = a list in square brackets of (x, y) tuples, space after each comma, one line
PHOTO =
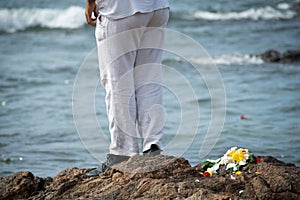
[(90, 8)]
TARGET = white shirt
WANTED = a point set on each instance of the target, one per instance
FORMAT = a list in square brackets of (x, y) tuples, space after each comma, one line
[(117, 9)]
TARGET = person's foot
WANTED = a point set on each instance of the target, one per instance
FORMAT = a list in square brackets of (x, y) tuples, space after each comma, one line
[(153, 151), (111, 160)]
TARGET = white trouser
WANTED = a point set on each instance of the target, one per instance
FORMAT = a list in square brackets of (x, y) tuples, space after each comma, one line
[(132, 81)]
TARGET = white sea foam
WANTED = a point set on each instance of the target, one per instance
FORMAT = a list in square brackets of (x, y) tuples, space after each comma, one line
[(13, 20), (283, 6), (265, 13), (240, 59), (230, 59)]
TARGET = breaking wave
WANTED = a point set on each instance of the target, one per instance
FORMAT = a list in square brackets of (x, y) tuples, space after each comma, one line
[(19, 19), (266, 13), (237, 59), (14, 20)]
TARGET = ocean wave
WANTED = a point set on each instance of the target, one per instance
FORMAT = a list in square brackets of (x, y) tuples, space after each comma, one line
[(240, 59), (14, 20), (230, 59), (266, 13)]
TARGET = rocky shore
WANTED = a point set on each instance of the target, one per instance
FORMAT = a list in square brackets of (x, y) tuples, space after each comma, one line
[(160, 177)]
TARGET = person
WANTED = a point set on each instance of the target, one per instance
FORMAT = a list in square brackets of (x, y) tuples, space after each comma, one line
[(133, 94)]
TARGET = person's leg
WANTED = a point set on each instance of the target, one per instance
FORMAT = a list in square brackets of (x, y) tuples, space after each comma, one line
[(120, 100), (121, 112), (116, 65), (149, 104), (148, 72)]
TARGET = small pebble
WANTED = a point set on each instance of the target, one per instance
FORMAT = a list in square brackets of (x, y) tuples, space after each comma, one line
[(66, 82), (197, 180)]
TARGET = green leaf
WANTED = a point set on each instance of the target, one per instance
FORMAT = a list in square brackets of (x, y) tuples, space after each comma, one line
[(207, 164), (251, 158)]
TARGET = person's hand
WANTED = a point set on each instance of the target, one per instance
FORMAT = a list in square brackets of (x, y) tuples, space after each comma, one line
[(90, 10)]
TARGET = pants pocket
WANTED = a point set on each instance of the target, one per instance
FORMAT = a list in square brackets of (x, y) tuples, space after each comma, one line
[(100, 28)]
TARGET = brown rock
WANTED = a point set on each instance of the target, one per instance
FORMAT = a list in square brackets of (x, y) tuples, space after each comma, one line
[(21, 185), (160, 177)]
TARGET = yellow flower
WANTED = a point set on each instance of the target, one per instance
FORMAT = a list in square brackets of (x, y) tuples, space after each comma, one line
[(238, 155), (238, 172), (231, 153)]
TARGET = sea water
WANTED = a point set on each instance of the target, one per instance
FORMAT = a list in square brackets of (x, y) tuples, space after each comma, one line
[(44, 43)]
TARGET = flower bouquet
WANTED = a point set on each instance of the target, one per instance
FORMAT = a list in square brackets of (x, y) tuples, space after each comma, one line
[(233, 160)]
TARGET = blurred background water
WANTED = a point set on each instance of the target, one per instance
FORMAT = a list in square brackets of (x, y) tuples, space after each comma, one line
[(43, 43)]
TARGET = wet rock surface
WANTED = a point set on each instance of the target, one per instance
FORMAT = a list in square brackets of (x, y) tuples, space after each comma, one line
[(277, 57), (160, 177)]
